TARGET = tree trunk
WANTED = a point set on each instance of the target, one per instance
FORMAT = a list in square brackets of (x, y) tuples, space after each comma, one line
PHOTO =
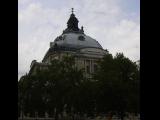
[(122, 115), (110, 116), (56, 115)]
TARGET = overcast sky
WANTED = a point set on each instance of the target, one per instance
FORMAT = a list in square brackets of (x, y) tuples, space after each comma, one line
[(115, 24)]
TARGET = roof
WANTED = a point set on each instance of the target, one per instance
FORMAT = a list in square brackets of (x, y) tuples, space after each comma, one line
[(76, 40), (72, 38)]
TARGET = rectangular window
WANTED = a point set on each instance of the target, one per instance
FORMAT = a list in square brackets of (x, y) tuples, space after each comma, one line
[(95, 68), (88, 69)]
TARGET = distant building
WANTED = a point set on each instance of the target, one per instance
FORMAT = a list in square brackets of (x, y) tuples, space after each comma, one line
[(73, 41)]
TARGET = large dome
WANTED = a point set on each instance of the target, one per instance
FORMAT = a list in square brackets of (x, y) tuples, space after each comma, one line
[(76, 40), (73, 39)]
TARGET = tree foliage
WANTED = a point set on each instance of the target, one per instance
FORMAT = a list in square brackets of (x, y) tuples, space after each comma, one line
[(118, 85), (114, 88)]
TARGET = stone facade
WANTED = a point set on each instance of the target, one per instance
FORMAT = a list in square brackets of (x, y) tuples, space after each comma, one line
[(73, 41)]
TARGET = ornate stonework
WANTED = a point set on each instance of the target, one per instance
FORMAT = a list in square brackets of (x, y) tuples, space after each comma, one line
[(73, 41)]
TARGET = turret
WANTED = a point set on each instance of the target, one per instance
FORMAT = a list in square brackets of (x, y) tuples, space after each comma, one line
[(72, 24)]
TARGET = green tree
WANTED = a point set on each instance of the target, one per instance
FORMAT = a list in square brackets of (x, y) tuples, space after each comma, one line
[(52, 88), (114, 89), (118, 85)]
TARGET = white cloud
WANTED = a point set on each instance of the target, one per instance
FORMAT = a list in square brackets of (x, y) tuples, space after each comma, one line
[(126, 36), (103, 20)]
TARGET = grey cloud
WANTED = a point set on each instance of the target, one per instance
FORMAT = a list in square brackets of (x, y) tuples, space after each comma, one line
[(103, 20)]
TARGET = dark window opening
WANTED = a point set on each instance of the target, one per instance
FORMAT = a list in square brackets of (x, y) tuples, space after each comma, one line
[(95, 68), (81, 38), (88, 69)]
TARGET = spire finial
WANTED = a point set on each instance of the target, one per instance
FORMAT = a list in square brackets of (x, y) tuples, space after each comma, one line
[(72, 10), (82, 29)]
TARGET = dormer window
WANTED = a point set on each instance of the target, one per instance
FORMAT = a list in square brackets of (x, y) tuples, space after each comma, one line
[(60, 37), (57, 39), (81, 38)]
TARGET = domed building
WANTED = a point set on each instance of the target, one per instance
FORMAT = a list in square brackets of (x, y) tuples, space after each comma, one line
[(73, 41)]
